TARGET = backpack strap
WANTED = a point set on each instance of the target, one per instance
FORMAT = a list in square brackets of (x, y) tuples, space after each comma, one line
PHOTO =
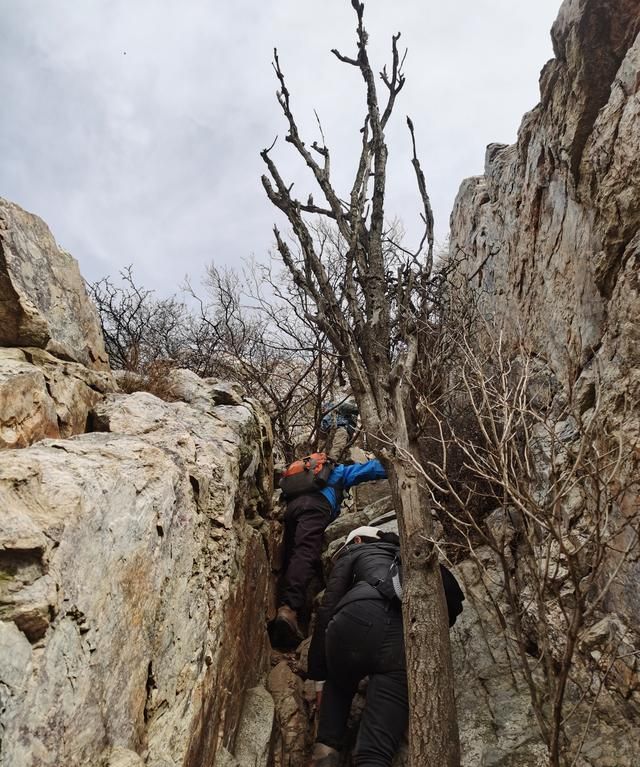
[(390, 587)]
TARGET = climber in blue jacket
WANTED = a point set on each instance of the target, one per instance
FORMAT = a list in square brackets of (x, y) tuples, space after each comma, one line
[(305, 520)]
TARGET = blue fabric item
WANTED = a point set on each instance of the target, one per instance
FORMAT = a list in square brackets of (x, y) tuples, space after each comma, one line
[(338, 420), (343, 477), (339, 416)]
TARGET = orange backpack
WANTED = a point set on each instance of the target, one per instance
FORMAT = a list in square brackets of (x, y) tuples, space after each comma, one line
[(308, 475)]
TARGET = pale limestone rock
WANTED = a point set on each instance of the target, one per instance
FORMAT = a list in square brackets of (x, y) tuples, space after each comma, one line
[(43, 300), (225, 759), (497, 725), (42, 396), (130, 564), (202, 440), (253, 741), (190, 388), (123, 757), (74, 389), (27, 412), (16, 654), (362, 515)]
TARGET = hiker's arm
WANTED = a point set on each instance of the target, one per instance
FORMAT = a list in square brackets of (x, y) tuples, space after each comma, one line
[(356, 473), (337, 587)]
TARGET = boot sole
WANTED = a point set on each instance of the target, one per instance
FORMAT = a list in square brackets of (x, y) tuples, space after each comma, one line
[(283, 635)]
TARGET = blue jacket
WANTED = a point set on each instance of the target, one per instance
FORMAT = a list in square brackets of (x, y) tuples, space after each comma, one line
[(343, 477)]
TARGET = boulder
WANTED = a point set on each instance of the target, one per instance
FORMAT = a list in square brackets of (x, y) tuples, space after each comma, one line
[(294, 734), (254, 738), (27, 411), (43, 396), (43, 300)]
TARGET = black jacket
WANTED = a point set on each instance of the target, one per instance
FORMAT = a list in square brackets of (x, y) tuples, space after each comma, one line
[(352, 578)]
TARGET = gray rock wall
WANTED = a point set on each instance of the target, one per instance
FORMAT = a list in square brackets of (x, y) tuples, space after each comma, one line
[(550, 235), (548, 239), (134, 537)]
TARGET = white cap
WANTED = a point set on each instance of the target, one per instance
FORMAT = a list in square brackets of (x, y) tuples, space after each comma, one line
[(366, 531)]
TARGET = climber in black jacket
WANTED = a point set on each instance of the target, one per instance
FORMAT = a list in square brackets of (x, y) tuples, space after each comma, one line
[(359, 633)]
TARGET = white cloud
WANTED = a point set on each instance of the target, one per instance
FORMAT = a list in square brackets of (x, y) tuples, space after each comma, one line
[(133, 128)]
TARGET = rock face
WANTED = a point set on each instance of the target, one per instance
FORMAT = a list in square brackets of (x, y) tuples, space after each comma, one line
[(43, 301), (41, 396), (134, 538), (134, 584), (549, 241), (550, 236), (551, 233)]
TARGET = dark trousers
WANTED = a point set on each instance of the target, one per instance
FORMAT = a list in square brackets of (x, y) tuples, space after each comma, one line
[(365, 639), (304, 523)]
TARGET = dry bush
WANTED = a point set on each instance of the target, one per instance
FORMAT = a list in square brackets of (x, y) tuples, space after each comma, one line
[(500, 435), (156, 378), (442, 410), (139, 328), (249, 326)]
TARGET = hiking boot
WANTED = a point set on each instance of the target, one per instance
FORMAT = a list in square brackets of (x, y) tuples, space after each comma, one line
[(285, 632), (324, 756)]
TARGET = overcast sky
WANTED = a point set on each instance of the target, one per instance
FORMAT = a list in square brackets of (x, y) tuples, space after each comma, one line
[(133, 127)]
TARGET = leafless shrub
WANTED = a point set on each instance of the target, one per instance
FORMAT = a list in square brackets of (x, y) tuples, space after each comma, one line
[(138, 328), (155, 379), (245, 325), (499, 434)]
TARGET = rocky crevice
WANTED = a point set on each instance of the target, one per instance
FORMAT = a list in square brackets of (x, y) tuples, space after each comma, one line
[(138, 543)]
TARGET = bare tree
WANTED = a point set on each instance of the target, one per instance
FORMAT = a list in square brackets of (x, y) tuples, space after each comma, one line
[(548, 460), (270, 346), (247, 326), (374, 304), (138, 328)]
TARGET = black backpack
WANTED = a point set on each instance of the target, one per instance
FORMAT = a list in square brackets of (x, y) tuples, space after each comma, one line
[(391, 587)]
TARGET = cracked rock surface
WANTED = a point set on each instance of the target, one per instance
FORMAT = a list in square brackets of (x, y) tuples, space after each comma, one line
[(43, 300), (134, 540), (133, 585)]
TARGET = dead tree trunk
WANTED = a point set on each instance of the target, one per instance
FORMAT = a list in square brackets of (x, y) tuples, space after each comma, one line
[(371, 296), (433, 732)]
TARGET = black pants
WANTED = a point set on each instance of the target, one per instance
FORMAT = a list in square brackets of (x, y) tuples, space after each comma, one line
[(304, 523), (365, 639)]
